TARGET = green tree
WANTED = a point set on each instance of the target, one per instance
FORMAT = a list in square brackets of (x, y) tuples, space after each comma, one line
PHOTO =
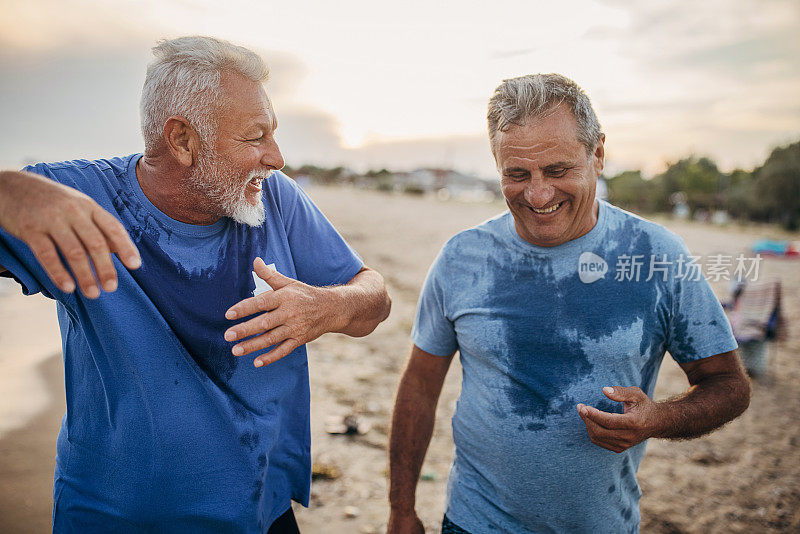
[(698, 178), (778, 185), (740, 195), (382, 179), (630, 191)]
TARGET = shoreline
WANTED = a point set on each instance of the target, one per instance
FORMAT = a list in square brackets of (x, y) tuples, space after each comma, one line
[(26, 476), (29, 335)]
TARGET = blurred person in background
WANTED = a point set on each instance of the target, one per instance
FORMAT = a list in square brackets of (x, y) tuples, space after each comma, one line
[(561, 309), (169, 426)]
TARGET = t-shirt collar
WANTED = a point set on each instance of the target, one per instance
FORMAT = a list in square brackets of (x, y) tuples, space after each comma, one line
[(586, 240), (173, 224)]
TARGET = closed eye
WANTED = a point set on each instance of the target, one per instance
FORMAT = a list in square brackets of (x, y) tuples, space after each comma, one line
[(517, 177), (557, 172)]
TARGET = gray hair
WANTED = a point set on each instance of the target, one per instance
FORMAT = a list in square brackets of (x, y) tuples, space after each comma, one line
[(533, 96), (184, 79)]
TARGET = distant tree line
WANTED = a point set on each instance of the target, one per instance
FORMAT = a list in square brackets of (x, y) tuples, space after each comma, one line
[(770, 193), (323, 175)]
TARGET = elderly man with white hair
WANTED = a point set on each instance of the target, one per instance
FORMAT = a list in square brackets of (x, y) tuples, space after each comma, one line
[(188, 257)]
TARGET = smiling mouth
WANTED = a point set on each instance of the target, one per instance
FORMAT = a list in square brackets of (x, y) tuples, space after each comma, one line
[(546, 211), (256, 181)]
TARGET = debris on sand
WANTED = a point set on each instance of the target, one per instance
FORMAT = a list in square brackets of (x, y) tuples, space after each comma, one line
[(351, 512), (323, 471), (349, 424)]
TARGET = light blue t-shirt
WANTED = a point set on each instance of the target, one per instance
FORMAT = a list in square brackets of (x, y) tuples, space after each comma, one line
[(165, 429), (540, 330)]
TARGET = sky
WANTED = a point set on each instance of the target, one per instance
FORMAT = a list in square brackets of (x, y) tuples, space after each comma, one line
[(402, 85)]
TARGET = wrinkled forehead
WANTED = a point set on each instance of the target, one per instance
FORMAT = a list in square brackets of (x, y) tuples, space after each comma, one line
[(269, 111), (521, 145), (553, 133), (245, 100)]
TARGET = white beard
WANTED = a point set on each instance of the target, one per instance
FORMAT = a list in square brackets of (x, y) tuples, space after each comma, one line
[(215, 177)]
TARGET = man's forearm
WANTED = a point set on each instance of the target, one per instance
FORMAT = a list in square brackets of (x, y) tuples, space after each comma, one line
[(412, 427), (361, 304), (719, 392), (707, 405), (57, 221)]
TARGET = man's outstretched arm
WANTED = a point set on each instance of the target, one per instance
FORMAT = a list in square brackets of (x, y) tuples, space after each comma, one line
[(412, 426), (295, 313), (54, 219), (719, 392)]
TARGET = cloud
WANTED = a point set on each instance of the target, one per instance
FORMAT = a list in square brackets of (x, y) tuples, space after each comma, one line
[(716, 78), (667, 77), (70, 104), (82, 101), (506, 54), (48, 26), (286, 74), (309, 136), (723, 37)]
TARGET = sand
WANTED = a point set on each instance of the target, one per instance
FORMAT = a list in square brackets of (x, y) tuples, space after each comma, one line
[(27, 459), (742, 478), (28, 335)]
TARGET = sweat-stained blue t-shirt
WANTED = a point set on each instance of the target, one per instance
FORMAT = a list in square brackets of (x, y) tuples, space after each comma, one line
[(165, 429), (540, 330)]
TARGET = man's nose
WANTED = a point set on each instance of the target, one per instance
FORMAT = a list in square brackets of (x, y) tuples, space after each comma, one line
[(538, 192), (272, 156)]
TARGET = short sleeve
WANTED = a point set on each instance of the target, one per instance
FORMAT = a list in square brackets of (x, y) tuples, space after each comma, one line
[(321, 255), (433, 332), (698, 327), (21, 265)]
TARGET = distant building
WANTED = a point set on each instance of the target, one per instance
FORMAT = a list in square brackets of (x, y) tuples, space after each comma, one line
[(446, 184)]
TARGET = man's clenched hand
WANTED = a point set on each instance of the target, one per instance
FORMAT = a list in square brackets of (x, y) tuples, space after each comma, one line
[(51, 218), (620, 431), (295, 314), (404, 523)]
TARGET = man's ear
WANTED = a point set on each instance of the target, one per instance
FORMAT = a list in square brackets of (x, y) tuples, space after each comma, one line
[(182, 140), (599, 155)]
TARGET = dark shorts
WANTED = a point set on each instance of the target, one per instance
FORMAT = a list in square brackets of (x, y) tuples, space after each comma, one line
[(285, 524), (448, 527)]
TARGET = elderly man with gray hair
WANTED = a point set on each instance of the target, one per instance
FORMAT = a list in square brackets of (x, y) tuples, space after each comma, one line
[(188, 258), (561, 309)]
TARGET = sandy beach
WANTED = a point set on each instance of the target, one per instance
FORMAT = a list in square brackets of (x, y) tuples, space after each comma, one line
[(742, 478)]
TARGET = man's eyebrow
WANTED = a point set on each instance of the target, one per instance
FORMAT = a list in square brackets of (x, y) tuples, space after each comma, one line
[(515, 169), (272, 124), (267, 126), (559, 164)]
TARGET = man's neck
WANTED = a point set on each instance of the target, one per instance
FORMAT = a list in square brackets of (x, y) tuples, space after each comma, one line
[(166, 190)]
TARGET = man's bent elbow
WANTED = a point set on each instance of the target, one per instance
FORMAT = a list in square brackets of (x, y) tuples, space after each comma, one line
[(385, 305), (380, 314), (386, 308), (736, 399), (743, 393)]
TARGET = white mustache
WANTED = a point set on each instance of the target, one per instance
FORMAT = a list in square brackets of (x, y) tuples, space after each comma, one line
[(263, 175)]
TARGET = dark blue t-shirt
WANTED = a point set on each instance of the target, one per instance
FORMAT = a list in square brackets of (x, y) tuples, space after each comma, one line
[(165, 428)]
